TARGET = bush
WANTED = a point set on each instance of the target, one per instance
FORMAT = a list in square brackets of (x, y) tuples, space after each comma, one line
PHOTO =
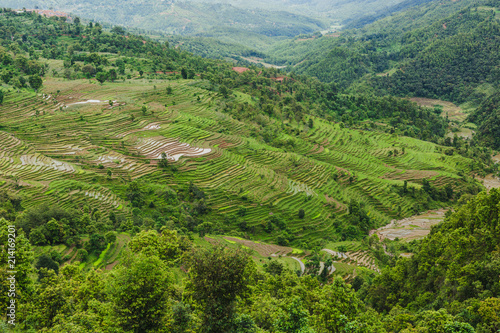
[(110, 237), (45, 261), (81, 255)]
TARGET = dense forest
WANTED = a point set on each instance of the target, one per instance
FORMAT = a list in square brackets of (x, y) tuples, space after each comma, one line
[(448, 59), (487, 115), (449, 285)]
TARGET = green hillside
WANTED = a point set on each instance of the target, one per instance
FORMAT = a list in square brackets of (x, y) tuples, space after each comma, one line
[(456, 268), (187, 18), (146, 189), (449, 65), (249, 149), (408, 42)]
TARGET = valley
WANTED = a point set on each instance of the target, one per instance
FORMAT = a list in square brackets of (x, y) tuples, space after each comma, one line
[(212, 167)]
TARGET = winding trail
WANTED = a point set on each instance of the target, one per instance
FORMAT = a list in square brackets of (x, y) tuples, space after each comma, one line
[(331, 269), (302, 266), (336, 254)]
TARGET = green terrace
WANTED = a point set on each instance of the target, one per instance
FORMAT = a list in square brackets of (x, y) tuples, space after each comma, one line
[(69, 145)]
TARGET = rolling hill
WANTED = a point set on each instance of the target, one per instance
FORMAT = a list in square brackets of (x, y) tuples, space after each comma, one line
[(146, 189)]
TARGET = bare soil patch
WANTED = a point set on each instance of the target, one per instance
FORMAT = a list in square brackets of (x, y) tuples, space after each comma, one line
[(454, 112), (410, 174), (212, 241), (110, 266), (264, 250), (240, 69), (414, 227), (491, 181)]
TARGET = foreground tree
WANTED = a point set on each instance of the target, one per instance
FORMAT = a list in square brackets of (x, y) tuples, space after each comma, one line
[(139, 291), (218, 278)]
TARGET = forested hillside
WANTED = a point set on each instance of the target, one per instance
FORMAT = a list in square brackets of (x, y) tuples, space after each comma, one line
[(413, 63), (445, 67), (455, 268), (222, 21), (449, 285), (487, 115), (415, 53)]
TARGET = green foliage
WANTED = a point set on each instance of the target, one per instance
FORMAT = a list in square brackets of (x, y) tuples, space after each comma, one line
[(97, 242), (110, 237), (182, 317), (337, 307), (277, 143), (293, 318), (274, 268), (35, 82), (438, 69), (165, 245), (455, 263), (101, 77), (139, 292), (46, 261), (23, 255), (218, 279), (487, 116), (81, 254)]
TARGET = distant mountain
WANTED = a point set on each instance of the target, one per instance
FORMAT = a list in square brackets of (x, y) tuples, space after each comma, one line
[(364, 20), (332, 10), (422, 52), (183, 17)]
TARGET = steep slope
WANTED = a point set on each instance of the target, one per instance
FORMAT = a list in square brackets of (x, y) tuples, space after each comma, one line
[(453, 59), (448, 67), (457, 264), (260, 147), (487, 116), (183, 17)]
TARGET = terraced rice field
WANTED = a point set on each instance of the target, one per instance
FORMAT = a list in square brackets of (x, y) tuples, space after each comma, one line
[(58, 147)]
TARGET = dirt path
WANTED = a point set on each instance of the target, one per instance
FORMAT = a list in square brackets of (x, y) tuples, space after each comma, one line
[(110, 266), (331, 269), (256, 60), (336, 254), (302, 266)]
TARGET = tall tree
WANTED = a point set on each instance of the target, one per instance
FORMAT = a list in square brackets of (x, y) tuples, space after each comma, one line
[(218, 278), (101, 77), (35, 82), (139, 292)]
